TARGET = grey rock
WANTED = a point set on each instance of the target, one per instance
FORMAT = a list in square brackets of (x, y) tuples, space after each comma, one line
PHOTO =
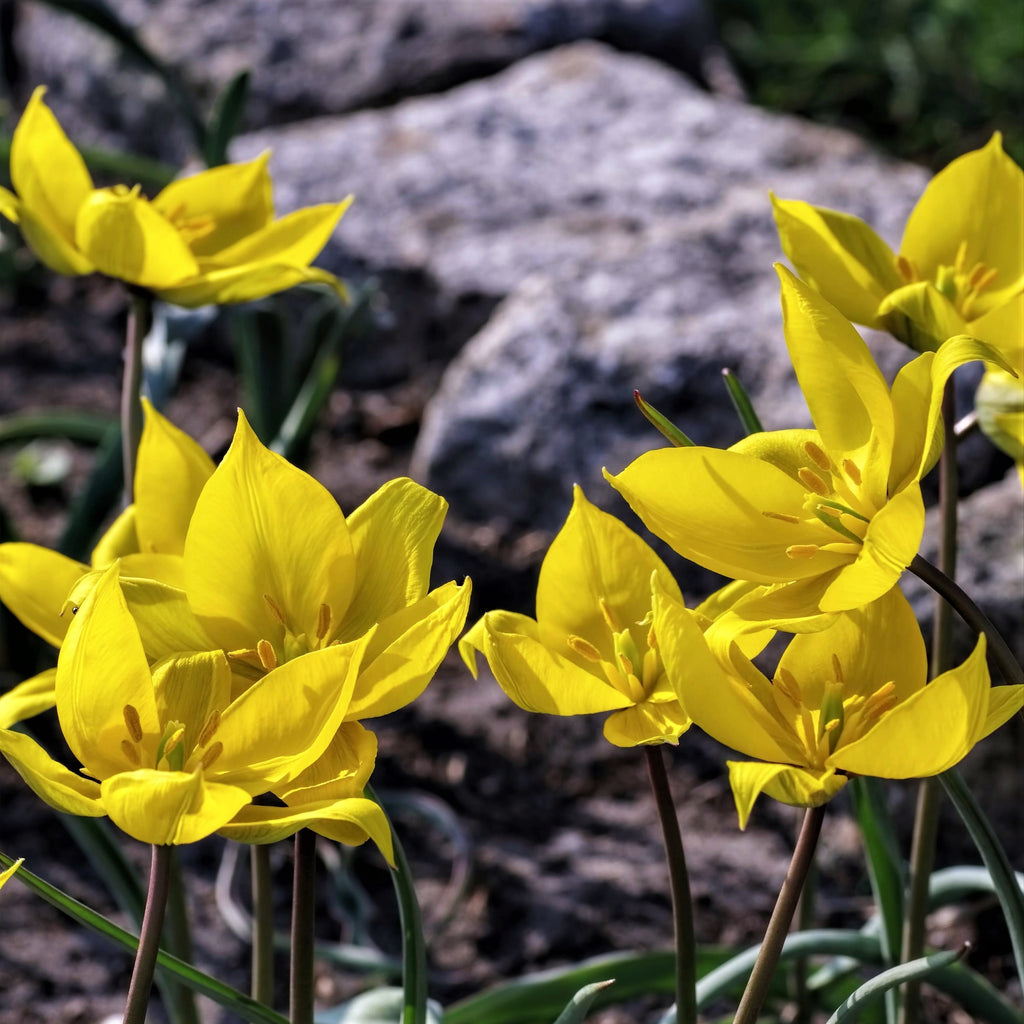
[(311, 57)]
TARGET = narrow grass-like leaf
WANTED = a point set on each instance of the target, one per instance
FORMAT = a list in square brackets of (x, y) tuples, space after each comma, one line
[(579, 1005), (951, 884), (662, 423), (226, 119), (153, 174), (873, 990), (1011, 896), (742, 403), (83, 427), (226, 996)]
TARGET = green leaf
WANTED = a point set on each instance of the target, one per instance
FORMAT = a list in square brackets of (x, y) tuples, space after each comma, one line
[(662, 423), (742, 403), (226, 119), (873, 990), (84, 427), (580, 1003), (379, 1006), (226, 996)]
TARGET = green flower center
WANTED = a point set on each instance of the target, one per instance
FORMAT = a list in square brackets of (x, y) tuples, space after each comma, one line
[(960, 285)]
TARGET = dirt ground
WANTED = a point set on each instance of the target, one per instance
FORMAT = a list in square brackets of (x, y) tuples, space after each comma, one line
[(556, 827)]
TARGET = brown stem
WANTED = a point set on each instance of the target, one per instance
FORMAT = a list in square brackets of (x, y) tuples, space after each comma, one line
[(149, 937)]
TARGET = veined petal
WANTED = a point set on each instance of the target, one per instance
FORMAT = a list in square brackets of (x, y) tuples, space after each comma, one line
[(170, 808), (265, 535), (34, 584), (839, 255), (710, 505), (1003, 703), (892, 539), (930, 731), (171, 472), (125, 237), (340, 772), (934, 317), (595, 558), (50, 780), (47, 172), (535, 677), (28, 699), (794, 607), (164, 618), (295, 240), (216, 208), (977, 199), (799, 787), (1003, 328), (246, 283), (406, 650), (393, 534), (50, 245), (101, 670), (169, 569), (843, 387), (190, 688), (646, 723), (119, 540), (351, 822)]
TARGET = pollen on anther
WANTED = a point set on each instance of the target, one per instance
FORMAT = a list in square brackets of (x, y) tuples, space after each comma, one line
[(132, 722), (323, 621), (209, 728), (267, 655), (130, 752), (981, 277), (837, 668), (817, 454), (802, 550), (275, 608), (211, 755), (783, 517), (852, 470), (813, 482), (584, 648), (174, 740)]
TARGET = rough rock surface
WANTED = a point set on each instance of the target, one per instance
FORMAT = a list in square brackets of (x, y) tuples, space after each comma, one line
[(310, 57)]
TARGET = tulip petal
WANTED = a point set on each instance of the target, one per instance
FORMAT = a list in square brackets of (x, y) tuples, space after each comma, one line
[(164, 618), (8, 873), (340, 772), (65, 790), (191, 688), (1003, 703), (265, 540), (119, 539), (220, 206), (246, 283), (393, 534), (933, 317), (35, 583), (169, 808), (351, 822), (839, 255), (9, 205), (28, 699), (799, 787), (646, 723)]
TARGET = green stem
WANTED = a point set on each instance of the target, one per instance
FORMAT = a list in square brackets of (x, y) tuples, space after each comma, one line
[(262, 925), (926, 816), (131, 386), (782, 917), (149, 937), (414, 949), (679, 881), (303, 917)]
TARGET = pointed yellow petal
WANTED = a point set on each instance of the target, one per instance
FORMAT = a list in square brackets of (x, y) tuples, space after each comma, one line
[(221, 206), (9, 205), (977, 199), (930, 731), (169, 477), (246, 283), (34, 584), (1003, 703), (125, 237), (934, 318), (839, 255), (48, 173), (28, 699), (120, 539), (646, 723), (263, 529), (393, 534), (6, 875), (164, 619), (595, 558), (709, 506), (350, 822), (340, 772), (538, 678), (406, 650), (49, 780), (102, 668), (794, 607), (51, 247), (799, 787), (170, 808)]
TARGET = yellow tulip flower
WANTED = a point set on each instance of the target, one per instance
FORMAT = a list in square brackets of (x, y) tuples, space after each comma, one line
[(851, 699), (828, 518), (169, 754), (594, 645), (961, 259), (208, 238)]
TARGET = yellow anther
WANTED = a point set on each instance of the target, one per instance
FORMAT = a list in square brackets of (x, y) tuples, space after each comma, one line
[(787, 684), (173, 740), (813, 482), (802, 550), (981, 277), (783, 517), (881, 700), (625, 664), (831, 725), (852, 470), (323, 621), (211, 755), (209, 728), (961, 256), (584, 648), (275, 608), (129, 751), (906, 269), (817, 455), (837, 668), (609, 616), (132, 723), (267, 655)]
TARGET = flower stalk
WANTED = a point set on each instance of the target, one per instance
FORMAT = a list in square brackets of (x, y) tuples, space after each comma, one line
[(139, 312), (149, 938)]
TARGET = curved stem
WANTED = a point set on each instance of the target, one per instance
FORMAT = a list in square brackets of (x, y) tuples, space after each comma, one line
[(131, 386), (682, 904), (1008, 666), (782, 917), (149, 937), (262, 987), (303, 917)]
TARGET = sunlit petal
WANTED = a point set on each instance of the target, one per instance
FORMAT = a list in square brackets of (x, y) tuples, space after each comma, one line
[(800, 787), (35, 583), (28, 699), (50, 780)]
